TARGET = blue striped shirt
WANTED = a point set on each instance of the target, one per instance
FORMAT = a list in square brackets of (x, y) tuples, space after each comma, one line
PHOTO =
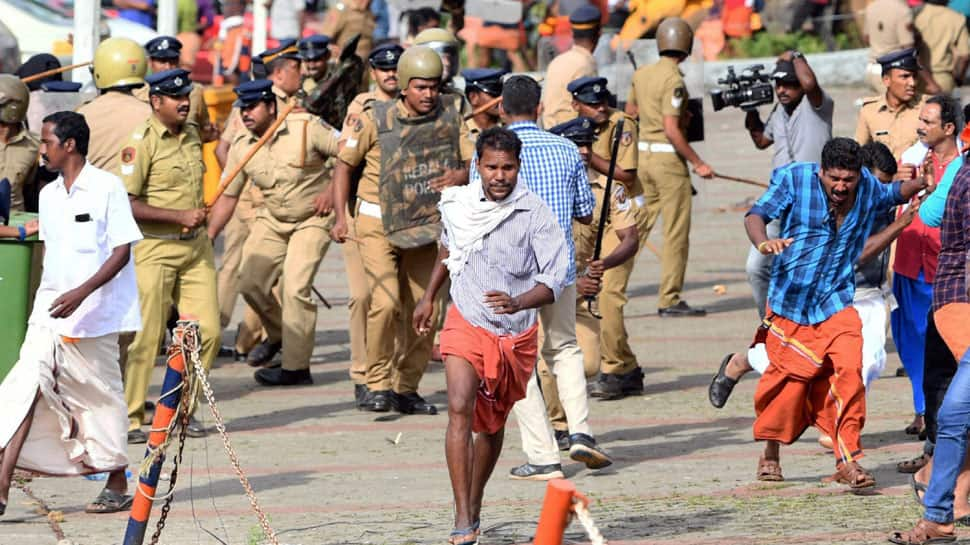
[(526, 249), (553, 170), (813, 278)]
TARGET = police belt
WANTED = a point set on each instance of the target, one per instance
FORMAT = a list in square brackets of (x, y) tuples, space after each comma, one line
[(187, 235), (656, 147), (368, 209)]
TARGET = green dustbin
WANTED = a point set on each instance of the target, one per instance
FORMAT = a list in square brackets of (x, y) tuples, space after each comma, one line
[(16, 291)]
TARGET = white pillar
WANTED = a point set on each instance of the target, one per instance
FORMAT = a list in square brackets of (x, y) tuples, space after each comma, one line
[(260, 17), (87, 21), (168, 17)]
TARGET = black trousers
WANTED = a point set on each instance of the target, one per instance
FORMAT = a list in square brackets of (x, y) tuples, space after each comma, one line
[(939, 366)]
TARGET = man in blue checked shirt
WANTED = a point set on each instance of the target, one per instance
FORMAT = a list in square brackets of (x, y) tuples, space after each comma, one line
[(812, 334), (553, 170)]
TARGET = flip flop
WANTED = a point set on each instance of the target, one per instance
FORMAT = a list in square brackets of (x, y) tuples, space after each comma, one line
[(920, 488), (109, 501), (722, 385), (463, 532)]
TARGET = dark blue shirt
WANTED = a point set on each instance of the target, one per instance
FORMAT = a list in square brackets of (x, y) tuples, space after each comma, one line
[(814, 277)]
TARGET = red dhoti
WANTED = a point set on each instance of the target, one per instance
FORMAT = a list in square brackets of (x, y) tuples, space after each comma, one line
[(815, 378), (503, 363)]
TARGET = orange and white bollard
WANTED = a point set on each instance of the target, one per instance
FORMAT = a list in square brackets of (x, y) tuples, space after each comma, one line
[(561, 495)]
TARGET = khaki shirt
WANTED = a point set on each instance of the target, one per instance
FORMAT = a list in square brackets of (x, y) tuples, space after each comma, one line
[(944, 37), (198, 112), (18, 164), (622, 216), (308, 85), (344, 21), (889, 26), (354, 110), (626, 158), (163, 170), (896, 129), (557, 101), (234, 124), (112, 118), (289, 169), (362, 144), (658, 90)]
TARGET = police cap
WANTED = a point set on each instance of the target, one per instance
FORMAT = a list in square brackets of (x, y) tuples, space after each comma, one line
[(585, 17), (173, 83), (589, 90), (486, 80), (286, 50), (253, 91), (384, 57), (904, 59), (314, 47), (580, 130), (163, 47)]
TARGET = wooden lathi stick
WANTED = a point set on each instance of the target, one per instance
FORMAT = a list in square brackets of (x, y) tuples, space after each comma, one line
[(54, 71), (740, 180)]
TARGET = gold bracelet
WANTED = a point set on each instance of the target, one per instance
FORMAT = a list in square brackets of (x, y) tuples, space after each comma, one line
[(761, 247)]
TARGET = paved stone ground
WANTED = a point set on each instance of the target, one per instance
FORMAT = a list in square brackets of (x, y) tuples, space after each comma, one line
[(684, 472)]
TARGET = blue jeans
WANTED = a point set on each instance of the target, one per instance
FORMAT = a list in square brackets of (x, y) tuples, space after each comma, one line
[(953, 422)]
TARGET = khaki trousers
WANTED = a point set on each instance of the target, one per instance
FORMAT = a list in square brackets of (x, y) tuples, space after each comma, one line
[(559, 347), (288, 253), (397, 279), (358, 303), (169, 271), (667, 194), (236, 232)]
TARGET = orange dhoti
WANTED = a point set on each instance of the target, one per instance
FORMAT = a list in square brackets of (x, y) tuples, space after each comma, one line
[(815, 378), (503, 363), (951, 321)]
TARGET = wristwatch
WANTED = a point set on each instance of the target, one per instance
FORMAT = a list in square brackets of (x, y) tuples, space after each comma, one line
[(796, 54)]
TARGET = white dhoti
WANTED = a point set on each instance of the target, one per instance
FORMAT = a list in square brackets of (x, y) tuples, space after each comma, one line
[(81, 421)]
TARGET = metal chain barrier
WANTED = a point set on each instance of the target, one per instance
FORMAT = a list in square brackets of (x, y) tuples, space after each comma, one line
[(589, 525), (170, 495), (203, 380)]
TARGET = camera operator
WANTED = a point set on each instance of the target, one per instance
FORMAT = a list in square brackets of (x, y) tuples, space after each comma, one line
[(798, 126)]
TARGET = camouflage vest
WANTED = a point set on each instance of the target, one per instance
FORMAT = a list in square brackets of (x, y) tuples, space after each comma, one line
[(414, 151)]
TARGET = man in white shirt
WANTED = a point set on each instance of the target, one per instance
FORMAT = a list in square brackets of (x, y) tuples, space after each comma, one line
[(62, 407)]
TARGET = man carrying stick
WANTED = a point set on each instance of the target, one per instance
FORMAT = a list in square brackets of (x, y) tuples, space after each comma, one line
[(506, 256)]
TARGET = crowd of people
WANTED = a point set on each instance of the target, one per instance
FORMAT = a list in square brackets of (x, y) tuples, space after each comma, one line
[(472, 229)]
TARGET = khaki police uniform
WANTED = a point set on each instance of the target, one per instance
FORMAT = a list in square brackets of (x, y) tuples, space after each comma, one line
[(112, 118), (889, 26), (165, 170), (287, 240), (348, 19), (198, 112), (896, 128), (397, 277), (18, 164), (943, 38), (658, 90), (557, 101), (590, 331)]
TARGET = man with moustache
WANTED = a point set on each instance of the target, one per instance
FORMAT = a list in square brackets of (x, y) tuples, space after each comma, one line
[(162, 169), (289, 236), (383, 71), (893, 117), (163, 54)]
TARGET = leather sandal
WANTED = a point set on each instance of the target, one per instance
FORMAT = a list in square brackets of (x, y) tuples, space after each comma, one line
[(721, 385), (913, 465), (109, 501), (924, 533), (854, 475), (769, 470)]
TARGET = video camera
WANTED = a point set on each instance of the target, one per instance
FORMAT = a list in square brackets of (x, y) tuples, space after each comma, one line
[(747, 91)]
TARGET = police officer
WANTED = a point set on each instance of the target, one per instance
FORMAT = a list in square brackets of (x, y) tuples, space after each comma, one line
[(119, 67), (408, 147), (446, 45), (349, 18), (483, 85), (163, 54), (289, 236), (315, 52), (944, 44), (659, 95), (161, 167), (893, 117), (383, 71), (620, 374), (571, 65), (18, 148), (620, 243)]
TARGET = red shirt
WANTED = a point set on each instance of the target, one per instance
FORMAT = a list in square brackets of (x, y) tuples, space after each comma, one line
[(918, 246)]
